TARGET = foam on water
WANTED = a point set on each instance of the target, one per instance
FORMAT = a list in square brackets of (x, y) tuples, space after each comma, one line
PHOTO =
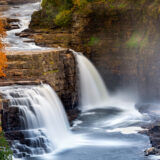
[(126, 130), (44, 122), (94, 94)]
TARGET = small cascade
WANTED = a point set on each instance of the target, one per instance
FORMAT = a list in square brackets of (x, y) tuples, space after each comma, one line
[(93, 92), (44, 129), (22, 13), (43, 122), (94, 95)]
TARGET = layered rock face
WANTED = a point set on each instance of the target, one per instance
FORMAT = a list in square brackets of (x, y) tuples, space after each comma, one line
[(123, 43), (55, 67)]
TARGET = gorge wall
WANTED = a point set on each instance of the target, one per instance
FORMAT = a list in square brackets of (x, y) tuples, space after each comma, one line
[(121, 39), (53, 66)]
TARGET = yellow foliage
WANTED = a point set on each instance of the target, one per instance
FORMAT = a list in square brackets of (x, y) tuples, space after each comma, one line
[(80, 3)]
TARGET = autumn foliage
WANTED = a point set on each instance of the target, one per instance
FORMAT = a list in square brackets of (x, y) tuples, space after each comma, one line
[(3, 58)]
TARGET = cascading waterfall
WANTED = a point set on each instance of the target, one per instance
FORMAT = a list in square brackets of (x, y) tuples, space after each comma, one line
[(43, 120), (94, 95), (23, 13), (44, 126), (92, 88)]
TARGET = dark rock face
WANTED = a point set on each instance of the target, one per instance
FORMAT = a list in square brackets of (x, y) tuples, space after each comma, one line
[(22, 140), (154, 135), (151, 151), (123, 43), (11, 119), (10, 24)]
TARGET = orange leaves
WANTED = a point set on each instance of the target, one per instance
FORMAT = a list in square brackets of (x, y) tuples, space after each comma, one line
[(3, 64), (3, 59), (2, 30)]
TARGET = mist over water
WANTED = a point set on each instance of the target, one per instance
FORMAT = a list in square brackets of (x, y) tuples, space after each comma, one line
[(94, 94), (44, 123)]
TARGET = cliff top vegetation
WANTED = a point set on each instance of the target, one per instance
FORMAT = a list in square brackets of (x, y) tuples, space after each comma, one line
[(59, 12)]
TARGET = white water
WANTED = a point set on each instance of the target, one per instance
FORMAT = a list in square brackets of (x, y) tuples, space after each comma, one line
[(94, 95), (41, 110), (93, 92), (23, 13), (44, 123)]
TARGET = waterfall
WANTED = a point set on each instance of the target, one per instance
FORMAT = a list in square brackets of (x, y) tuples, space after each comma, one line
[(94, 95), (44, 124), (93, 92), (44, 128)]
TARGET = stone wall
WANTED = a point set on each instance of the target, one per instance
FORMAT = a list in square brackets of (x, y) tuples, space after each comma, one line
[(121, 40), (53, 66)]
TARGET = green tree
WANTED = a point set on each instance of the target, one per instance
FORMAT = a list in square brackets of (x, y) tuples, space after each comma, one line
[(5, 151)]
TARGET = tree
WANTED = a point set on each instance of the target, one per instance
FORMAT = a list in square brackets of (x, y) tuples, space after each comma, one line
[(5, 151), (3, 59)]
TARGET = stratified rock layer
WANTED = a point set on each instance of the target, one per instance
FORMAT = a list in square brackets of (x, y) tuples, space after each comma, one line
[(54, 66)]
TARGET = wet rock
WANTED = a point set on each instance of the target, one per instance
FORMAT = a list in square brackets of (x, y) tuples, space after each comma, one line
[(24, 35), (154, 135), (29, 41), (72, 114), (11, 119), (3, 2), (13, 26), (14, 135), (11, 20), (10, 24), (151, 151)]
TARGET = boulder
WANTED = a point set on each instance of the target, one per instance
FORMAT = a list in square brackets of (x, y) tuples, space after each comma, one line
[(151, 151)]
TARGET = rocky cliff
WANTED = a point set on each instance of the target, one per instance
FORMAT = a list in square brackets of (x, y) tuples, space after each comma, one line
[(121, 38), (53, 66)]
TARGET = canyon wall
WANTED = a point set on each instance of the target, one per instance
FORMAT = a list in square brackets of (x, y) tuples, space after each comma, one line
[(53, 66), (122, 40)]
